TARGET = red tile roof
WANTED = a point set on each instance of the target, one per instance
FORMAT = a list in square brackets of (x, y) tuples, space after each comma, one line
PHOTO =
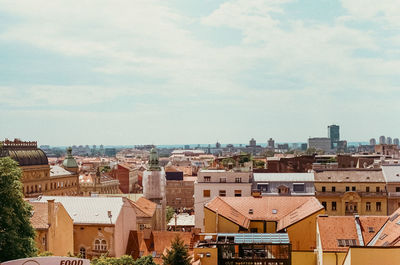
[(40, 217), (333, 228), (390, 233), (144, 207), (286, 210), (156, 243)]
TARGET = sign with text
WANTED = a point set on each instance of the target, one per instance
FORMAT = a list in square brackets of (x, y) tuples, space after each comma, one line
[(48, 261)]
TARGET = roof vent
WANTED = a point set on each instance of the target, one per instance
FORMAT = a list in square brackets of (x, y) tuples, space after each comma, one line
[(250, 211), (109, 214), (274, 211)]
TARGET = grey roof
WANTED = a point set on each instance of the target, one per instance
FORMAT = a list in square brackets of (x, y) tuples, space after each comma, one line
[(57, 171), (257, 238), (391, 173), (182, 219), (89, 210), (213, 170), (283, 177)]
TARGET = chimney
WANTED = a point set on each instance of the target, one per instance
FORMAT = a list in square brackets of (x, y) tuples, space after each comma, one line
[(50, 212), (109, 214)]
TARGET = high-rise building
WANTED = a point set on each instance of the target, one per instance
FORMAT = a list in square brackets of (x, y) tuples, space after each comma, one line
[(382, 140), (372, 141), (252, 142), (334, 135), (396, 141), (271, 143), (320, 143), (389, 140)]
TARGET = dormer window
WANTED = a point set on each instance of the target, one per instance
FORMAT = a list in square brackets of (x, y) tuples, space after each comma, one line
[(250, 211)]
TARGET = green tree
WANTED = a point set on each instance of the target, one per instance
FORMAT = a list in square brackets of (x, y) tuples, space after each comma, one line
[(16, 232), (145, 260), (178, 254), (124, 260), (169, 213)]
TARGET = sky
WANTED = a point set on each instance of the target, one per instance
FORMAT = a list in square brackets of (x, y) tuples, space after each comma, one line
[(127, 72)]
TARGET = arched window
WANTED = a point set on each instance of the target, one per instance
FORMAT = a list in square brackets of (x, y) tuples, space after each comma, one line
[(82, 252), (100, 245)]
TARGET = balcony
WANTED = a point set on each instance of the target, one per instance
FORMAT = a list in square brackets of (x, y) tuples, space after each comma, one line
[(394, 194), (362, 194)]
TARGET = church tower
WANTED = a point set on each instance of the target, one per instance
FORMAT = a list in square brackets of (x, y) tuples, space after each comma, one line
[(154, 189)]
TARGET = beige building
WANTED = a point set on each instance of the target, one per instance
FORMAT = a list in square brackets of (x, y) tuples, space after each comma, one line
[(392, 177), (351, 191), (213, 183), (38, 178), (54, 228), (101, 224)]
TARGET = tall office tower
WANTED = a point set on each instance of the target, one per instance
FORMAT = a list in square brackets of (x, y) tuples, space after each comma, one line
[(333, 133), (389, 140), (396, 141), (382, 140), (271, 143), (372, 141)]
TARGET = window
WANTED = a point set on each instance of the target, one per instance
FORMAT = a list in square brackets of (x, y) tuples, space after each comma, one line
[(263, 187), (368, 206), (378, 189), (298, 187), (324, 204), (367, 189), (100, 244), (371, 229), (333, 206), (397, 189), (206, 193), (207, 179), (82, 251), (141, 227), (238, 193), (222, 180), (222, 193), (353, 188), (253, 230), (238, 180), (347, 242), (44, 241), (347, 188), (378, 206), (323, 188), (333, 189)]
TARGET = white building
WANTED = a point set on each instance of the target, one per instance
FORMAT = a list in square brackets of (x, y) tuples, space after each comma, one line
[(213, 183)]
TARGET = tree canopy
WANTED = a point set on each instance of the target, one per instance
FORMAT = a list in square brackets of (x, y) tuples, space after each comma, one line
[(124, 260), (178, 254), (16, 232)]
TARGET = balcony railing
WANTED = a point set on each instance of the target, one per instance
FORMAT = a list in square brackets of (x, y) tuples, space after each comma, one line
[(361, 193)]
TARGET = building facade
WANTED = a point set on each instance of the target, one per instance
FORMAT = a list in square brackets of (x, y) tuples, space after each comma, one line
[(392, 178), (213, 183), (351, 191), (284, 184), (38, 178), (320, 143)]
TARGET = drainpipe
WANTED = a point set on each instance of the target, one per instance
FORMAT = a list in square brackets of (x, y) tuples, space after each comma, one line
[(216, 221), (336, 256)]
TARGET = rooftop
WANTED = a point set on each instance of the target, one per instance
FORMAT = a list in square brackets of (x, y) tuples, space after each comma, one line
[(283, 177), (57, 171), (286, 210), (355, 175), (89, 210)]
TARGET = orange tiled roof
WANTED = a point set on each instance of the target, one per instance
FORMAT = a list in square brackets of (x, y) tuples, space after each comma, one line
[(370, 225), (144, 207), (336, 227), (390, 234), (40, 217), (286, 210), (157, 243), (333, 228)]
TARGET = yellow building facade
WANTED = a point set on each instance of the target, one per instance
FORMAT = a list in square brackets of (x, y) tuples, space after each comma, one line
[(347, 192), (54, 228)]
